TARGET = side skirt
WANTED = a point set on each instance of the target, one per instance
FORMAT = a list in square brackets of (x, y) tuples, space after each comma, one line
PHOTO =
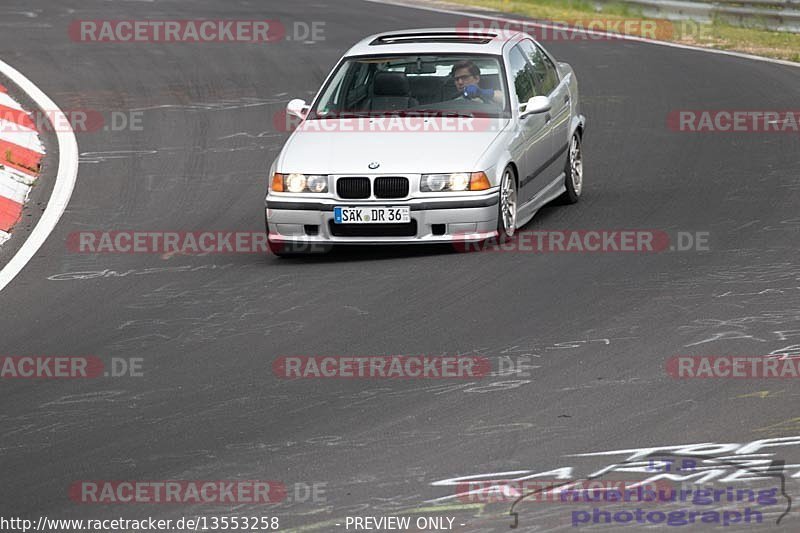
[(553, 190)]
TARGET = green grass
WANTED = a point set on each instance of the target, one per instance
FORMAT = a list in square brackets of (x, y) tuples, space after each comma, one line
[(718, 34)]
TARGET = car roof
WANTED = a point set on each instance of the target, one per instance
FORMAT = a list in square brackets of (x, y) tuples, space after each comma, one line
[(434, 41)]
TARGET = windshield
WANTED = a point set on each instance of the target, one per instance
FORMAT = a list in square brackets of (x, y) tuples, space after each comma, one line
[(415, 85)]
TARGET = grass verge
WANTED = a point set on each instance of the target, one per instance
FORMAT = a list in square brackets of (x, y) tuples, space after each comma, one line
[(719, 35)]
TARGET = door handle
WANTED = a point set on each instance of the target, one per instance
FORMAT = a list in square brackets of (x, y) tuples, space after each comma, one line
[(566, 98), (547, 118)]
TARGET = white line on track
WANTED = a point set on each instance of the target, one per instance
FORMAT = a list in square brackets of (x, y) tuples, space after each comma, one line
[(65, 179), (621, 37)]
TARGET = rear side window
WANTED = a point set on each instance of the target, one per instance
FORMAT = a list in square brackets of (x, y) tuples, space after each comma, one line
[(521, 75), (545, 75)]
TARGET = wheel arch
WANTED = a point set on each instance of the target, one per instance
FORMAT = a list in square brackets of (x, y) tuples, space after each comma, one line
[(515, 171), (578, 125)]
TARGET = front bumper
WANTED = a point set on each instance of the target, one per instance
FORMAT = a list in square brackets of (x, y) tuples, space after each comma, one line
[(435, 220)]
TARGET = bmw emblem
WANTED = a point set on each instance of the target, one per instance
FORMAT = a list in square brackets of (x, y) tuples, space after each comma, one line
[(374, 165)]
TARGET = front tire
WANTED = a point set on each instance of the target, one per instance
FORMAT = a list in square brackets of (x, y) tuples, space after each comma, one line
[(573, 180), (507, 207)]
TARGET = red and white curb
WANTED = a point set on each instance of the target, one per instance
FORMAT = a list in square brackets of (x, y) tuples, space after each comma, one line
[(21, 154), (28, 156)]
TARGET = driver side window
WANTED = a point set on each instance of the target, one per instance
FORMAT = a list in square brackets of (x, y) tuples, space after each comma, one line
[(545, 76), (521, 75)]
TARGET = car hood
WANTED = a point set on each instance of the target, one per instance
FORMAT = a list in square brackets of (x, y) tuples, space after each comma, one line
[(405, 146)]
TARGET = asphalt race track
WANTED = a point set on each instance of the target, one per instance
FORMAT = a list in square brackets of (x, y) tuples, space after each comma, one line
[(596, 329)]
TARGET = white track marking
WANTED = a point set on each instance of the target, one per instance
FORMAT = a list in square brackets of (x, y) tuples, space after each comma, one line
[(621, 37), (65, 178)]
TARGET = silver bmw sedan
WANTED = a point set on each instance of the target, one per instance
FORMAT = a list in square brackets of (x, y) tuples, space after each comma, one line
[(427, 136)]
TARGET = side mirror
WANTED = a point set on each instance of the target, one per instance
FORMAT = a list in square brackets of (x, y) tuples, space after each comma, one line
[(298, 108), (537, 104)]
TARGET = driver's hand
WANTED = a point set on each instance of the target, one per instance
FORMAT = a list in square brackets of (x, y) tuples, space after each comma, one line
[(473, 91)]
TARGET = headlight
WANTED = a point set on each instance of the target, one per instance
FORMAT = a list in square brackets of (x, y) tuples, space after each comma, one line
[(299, 183), (317, 183), (433, 182), (458, 181), (295, 182)]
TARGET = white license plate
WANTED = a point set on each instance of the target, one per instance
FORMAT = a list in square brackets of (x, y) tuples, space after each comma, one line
[(372, 215)]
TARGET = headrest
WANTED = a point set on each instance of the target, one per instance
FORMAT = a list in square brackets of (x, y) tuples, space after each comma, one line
[(390, 84)]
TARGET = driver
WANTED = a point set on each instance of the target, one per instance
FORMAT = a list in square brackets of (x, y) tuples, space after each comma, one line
[(467, 76)]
